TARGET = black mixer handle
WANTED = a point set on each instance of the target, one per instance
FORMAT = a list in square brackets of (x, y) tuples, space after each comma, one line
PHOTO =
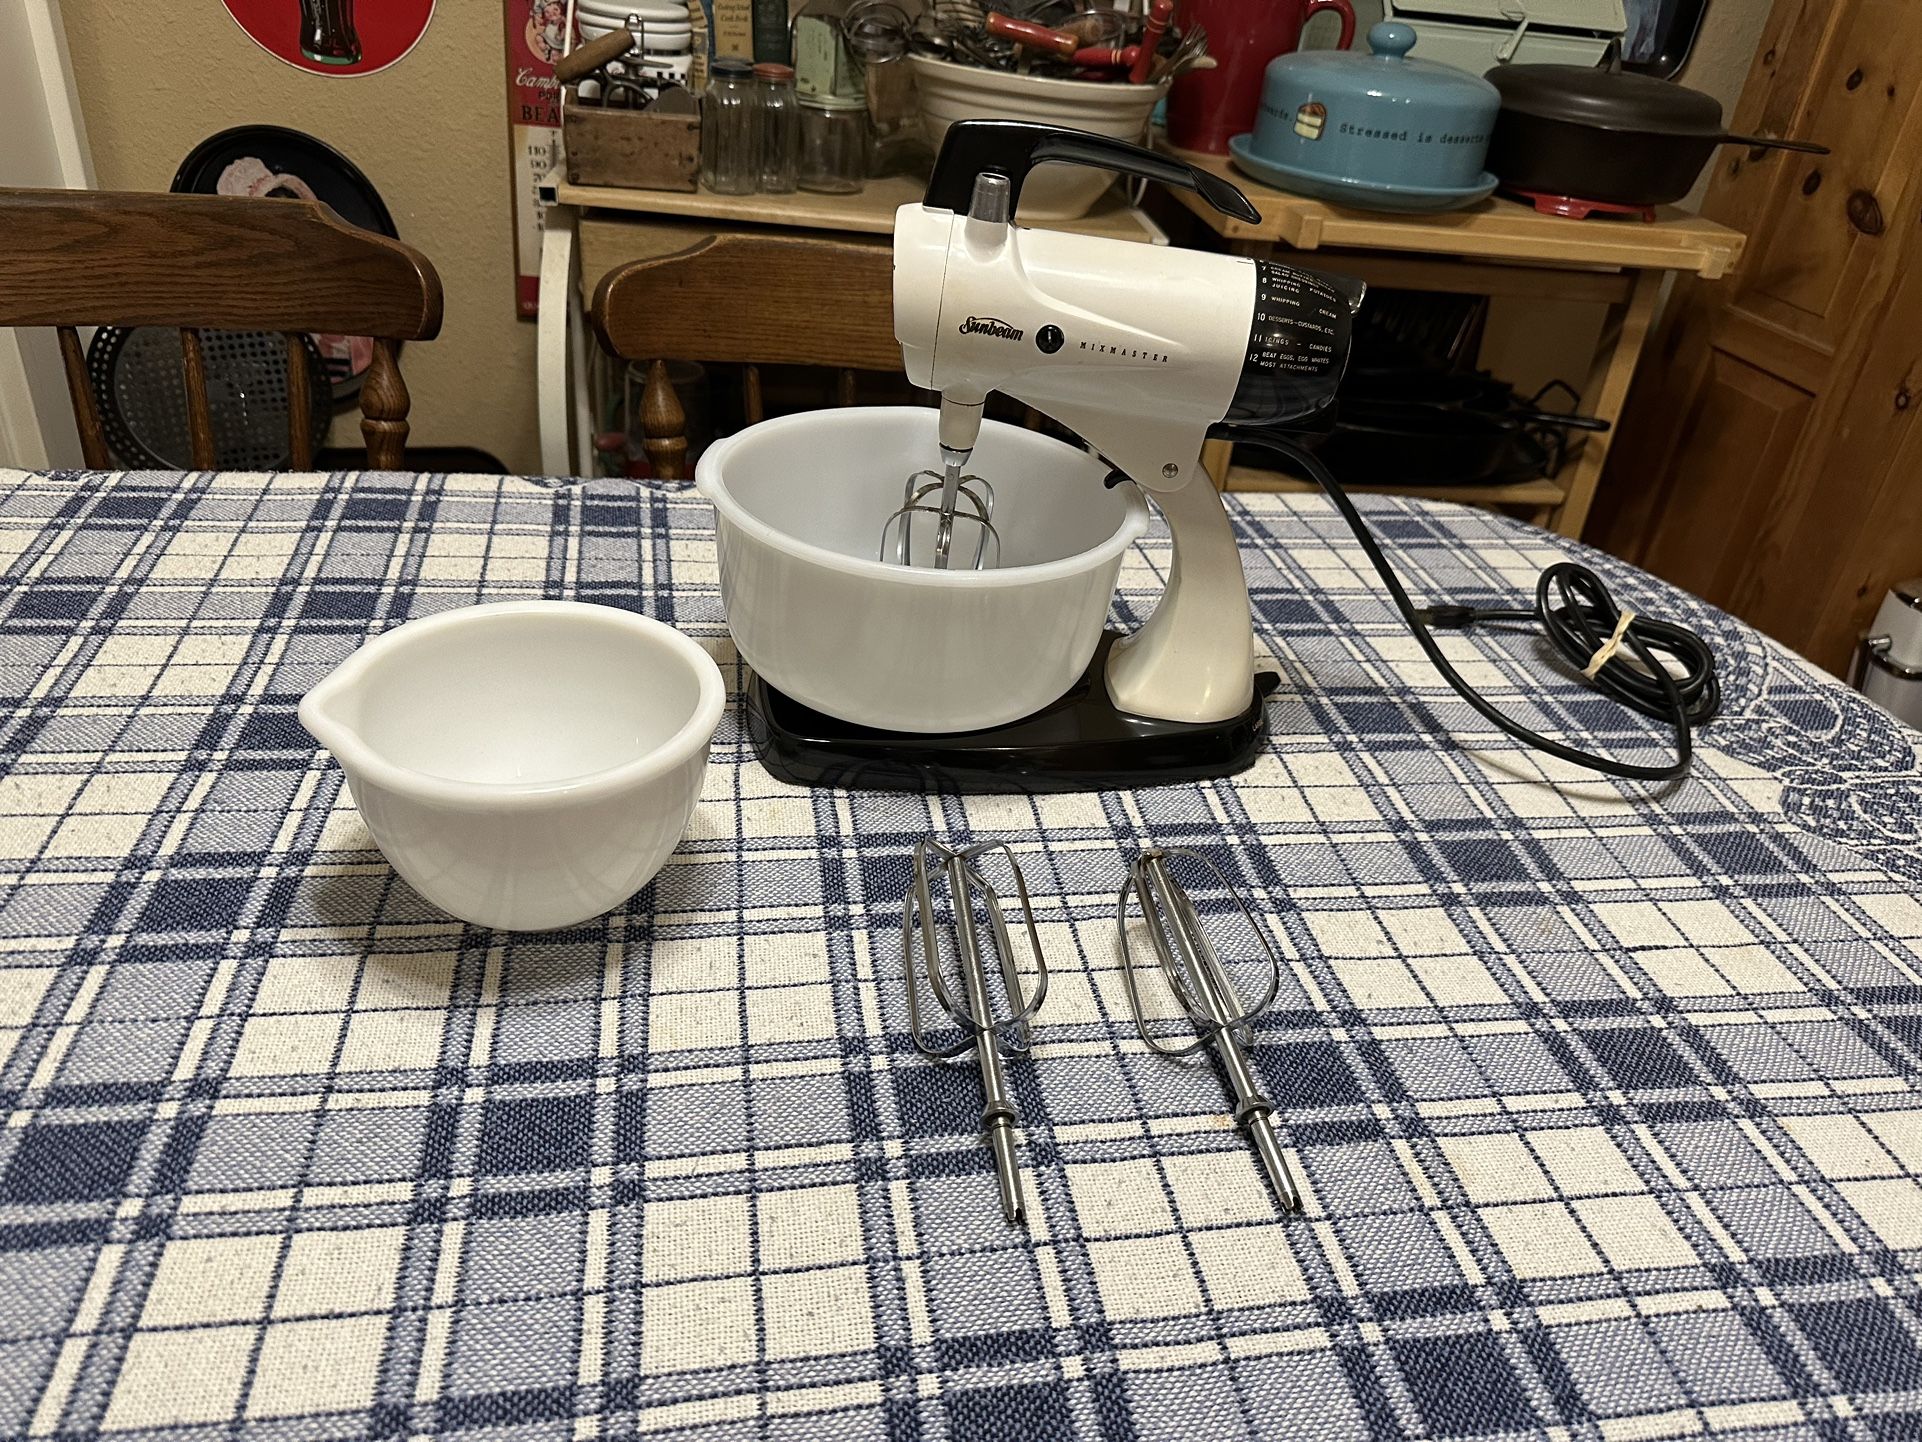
[(1014, 147)]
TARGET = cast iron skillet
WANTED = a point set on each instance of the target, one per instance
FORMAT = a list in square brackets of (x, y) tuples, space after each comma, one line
[(1607, 135), (1431, 445), (1368, 387)]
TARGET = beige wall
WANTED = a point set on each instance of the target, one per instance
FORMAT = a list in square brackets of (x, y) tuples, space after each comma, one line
[(430, 132)]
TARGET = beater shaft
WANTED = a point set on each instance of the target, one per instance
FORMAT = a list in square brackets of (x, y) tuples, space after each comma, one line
[(1253, 1111), (1206, 993), (998, 1115), (951, 463)]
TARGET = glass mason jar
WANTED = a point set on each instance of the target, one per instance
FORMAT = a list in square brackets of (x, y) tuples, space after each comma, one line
[(780, 126), (834, 145), (730, 134)]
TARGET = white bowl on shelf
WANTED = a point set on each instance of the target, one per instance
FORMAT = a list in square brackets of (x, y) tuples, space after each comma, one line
[(611, 19), (524, 765), (800, 502), (649, 10), (658, 39), (1055, 191)]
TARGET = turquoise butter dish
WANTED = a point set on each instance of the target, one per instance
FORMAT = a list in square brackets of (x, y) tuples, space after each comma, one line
[(1383, 131)]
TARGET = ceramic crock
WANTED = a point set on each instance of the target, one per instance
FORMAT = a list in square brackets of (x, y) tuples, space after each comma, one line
[(1380, 119)]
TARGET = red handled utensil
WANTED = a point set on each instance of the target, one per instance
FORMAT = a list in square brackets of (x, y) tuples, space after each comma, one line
[(1035, 37), (1157, 26)]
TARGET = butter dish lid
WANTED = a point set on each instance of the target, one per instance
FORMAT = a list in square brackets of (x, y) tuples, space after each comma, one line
[(1390, 72)]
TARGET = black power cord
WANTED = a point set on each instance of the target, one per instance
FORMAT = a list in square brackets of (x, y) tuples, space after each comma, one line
[(1579, 617)]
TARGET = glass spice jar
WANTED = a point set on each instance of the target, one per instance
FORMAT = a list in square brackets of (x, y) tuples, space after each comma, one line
[(780, 126), (730, 134), (834, 145)]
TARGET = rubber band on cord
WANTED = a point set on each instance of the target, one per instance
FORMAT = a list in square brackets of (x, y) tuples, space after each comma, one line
[(1605, 652)]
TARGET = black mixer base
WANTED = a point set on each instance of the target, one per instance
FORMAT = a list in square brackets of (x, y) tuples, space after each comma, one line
[(1079, 743)]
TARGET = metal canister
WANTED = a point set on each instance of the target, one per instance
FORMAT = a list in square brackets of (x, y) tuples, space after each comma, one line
[(1888, 662)]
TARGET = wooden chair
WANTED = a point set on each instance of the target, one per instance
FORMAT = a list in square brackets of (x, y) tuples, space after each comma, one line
[(73, 258), (749, 300)]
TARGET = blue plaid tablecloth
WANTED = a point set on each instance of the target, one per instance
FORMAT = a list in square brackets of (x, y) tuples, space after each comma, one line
[(1605, 1098)]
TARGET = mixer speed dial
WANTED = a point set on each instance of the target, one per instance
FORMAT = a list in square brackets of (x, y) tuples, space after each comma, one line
[(1298, 342)]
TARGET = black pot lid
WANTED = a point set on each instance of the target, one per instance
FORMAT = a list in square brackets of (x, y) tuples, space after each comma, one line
[(1607, 99), (273, 160)]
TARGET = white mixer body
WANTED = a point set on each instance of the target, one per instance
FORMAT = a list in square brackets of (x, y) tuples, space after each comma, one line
[(1039, 315), (982, 306)]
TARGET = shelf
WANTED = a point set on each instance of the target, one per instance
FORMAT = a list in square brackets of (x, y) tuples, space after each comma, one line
[(869, 211), (1495, 229), (1523, 493)]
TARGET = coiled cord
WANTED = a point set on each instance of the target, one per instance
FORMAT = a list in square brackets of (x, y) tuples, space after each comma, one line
[(1580, 618)]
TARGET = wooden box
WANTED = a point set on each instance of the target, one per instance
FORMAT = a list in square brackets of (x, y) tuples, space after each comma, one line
[(638, 149)]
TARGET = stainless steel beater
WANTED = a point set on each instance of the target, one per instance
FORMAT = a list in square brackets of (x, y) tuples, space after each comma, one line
[(973, 1008), (966, 500), (1203, 988)]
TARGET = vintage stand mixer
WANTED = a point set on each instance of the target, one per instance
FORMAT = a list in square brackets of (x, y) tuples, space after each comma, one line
[(1144, 353)]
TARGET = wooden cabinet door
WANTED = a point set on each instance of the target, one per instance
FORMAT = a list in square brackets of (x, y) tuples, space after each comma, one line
[(1725, 478)]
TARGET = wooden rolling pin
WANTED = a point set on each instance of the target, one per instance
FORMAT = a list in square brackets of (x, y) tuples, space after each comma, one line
[(588, 58)]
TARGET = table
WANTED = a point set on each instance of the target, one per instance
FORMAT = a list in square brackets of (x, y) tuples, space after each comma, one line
[(1606, 1101), (587, 230), (1499, 247)]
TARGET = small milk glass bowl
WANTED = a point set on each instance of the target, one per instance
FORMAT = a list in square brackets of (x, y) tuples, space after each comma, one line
[(528, 764)]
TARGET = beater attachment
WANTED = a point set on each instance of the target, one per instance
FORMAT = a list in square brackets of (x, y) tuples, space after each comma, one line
[(1203, 988), (972, 1006), (959, 509)]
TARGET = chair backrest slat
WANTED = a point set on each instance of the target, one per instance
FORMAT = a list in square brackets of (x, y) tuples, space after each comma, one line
[(200, 415), (300, 412), (86, 416)]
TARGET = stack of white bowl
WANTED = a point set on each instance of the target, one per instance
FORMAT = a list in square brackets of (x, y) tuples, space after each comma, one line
[(665, 28), (951, 92)]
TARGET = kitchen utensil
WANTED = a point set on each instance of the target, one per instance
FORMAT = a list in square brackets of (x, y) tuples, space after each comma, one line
[(950, 501), (273, 160), (1159, 13), (1472, 35), (1393, 198), (799, 502), (1026, 32), (1106, 57), (952, 92), (1093, 25), (584, 60), (524, 765), (986, 1025), (1608, 135), (1189, 53), (1379, 130), (141, 396), (1206, 108), (1206, 993)]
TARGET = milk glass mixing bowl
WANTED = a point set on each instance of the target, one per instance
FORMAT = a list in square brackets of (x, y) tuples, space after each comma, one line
[(801, 502), (524, 765)]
